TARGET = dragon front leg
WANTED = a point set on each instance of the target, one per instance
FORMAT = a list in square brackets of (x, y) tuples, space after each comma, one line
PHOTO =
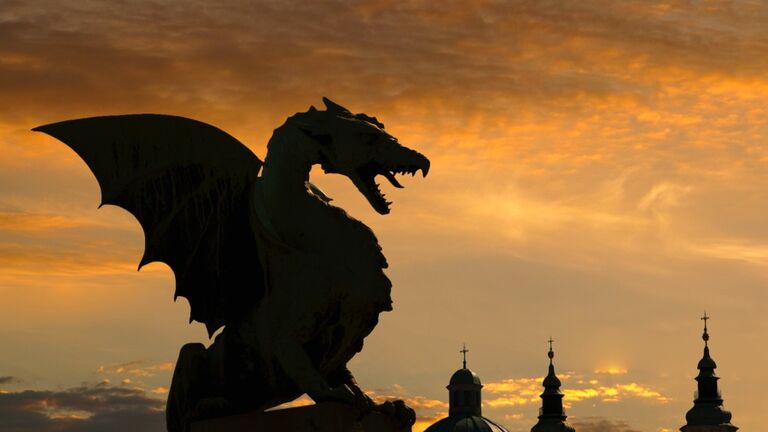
[(395, 409), (188, 387), (297, 365), (343, 377)]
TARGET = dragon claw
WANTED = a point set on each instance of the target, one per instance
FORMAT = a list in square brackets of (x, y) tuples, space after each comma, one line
[(399, 412), (341, 393)]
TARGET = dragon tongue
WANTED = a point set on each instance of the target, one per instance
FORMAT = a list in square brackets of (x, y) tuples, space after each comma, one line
[(391, 177)]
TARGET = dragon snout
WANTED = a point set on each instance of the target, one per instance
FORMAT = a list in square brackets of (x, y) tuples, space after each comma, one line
[(400, 161)]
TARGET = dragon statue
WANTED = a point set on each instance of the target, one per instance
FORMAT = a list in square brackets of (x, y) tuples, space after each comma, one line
[(295, 282)]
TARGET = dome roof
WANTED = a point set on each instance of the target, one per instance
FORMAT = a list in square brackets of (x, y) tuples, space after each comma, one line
[(464, 376), (465, 424)]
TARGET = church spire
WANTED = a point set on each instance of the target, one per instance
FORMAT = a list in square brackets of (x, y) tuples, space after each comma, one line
[(707, 413), (705, 336), (464, 351), (551, 415)]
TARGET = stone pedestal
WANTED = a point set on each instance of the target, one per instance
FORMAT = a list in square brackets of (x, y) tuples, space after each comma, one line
[(323, 417)]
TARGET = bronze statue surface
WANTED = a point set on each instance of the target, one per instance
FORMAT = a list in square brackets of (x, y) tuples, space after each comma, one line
[(296, 283)]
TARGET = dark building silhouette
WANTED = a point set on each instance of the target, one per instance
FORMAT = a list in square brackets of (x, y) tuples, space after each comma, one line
[(707, 414), (465, 404), (552, 414)]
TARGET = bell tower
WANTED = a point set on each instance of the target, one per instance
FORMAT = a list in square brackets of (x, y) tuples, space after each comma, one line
[(707, 414), (552, 415)]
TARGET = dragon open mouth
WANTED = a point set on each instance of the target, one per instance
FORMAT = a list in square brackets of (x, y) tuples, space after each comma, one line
[(366, 179)]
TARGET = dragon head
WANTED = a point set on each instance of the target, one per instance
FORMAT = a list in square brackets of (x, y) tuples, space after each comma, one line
[(356, 146)]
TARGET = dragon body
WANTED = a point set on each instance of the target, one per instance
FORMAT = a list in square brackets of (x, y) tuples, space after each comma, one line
[(296, 283)]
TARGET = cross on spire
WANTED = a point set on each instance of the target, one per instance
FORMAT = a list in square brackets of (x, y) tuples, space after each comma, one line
[(705, 336), (551, 353), (464, 351)]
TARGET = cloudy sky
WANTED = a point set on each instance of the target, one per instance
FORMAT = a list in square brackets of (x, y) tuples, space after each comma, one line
[(599, 175)]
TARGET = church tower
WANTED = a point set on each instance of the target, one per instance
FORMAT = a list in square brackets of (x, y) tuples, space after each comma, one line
[(551, 414), (464, 391), (465, 404), (707, 414)]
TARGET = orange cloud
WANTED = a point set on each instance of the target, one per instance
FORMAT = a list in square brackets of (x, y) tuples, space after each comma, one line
[(397, 391), (599, 424), (423, 422), (525, 391), (612, 370), (25, 222), (301, 401), (139, 369)]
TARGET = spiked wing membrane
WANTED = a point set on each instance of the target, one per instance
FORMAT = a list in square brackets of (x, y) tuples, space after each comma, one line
[(187, 183)]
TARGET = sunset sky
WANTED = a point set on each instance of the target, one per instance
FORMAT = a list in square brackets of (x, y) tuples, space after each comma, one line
[(599, 175)]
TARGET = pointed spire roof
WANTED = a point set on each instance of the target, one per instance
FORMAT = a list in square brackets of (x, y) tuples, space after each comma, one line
[(551, 381), (706, 364), (551, 415), (707, 413)]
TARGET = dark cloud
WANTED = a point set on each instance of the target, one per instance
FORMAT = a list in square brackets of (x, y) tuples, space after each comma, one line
[(94, 57), (81, 409), (597, 424), (9, 380)]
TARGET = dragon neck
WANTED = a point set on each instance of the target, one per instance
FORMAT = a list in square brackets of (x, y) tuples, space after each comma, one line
[(290, 156)]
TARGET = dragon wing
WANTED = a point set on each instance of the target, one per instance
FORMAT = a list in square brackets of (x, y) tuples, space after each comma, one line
[(188, 184)]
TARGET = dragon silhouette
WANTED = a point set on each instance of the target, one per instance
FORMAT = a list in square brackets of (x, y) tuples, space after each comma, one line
[(295, 282)]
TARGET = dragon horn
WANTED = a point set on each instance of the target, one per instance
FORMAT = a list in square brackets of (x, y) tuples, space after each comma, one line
[(333, 107)]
